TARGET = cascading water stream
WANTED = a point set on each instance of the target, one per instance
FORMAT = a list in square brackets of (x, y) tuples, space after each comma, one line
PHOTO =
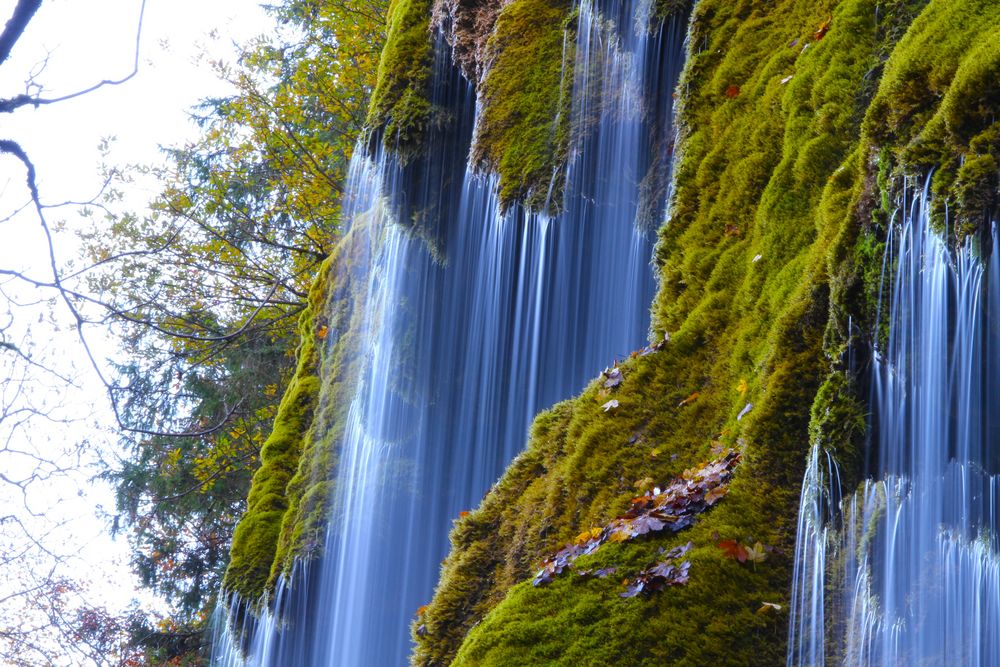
[(464, 342), (911, 575)]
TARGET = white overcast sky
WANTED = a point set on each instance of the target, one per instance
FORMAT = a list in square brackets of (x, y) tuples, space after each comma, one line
[(85, 41)]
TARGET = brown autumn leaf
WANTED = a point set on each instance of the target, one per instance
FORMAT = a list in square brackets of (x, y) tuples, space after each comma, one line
[(732, 90), (690, 399), (714, 495), (322, 332), (643, 483)]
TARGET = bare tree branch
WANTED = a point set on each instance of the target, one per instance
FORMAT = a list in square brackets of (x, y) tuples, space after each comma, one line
[(11, 104), (23, 13)]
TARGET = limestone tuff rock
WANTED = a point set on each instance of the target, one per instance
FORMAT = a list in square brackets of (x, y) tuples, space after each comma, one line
[(467, 25)]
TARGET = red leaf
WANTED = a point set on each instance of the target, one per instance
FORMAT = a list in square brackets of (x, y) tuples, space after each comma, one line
[(732, 91), (735, 550), (824, 28)]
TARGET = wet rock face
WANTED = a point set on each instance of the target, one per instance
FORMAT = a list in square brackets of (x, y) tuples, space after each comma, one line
[(467, 25)]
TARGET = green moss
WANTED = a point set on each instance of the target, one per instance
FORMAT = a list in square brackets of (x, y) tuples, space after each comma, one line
[(664, 9), (400, 104), (523, 128), (935, 109)]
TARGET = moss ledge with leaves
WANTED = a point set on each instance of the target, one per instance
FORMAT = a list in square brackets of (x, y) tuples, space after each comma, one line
[(768, 252)]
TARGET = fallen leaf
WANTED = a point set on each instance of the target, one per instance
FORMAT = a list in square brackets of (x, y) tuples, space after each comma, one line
[(421, 609), (734, 550), (689, 400), (610, 405), (654, 453), (322, 332), (644, 483), (732, 230), (792, 44), (714, 495), (732, 91), (766, 607), (756, 553), (747, 408), (824, 28), (672, 508), (613, 377), (463, 513), (783, 82), (742, 387)]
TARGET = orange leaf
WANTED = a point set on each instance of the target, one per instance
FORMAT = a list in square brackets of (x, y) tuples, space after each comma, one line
[(732, 91), (689, 400), (421, 609), (463, 513), (321, 334)]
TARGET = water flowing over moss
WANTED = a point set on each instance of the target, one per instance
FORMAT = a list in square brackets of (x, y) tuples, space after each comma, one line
[(289, 498)]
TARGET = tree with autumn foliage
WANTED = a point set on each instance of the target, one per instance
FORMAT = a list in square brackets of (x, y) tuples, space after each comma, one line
[(204, 291)]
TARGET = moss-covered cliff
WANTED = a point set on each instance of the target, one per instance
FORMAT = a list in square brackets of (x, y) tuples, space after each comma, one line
[(785, 161), (797, 121)]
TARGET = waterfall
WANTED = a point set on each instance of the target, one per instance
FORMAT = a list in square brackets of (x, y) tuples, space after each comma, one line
[(473, 322), (911, 575)]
